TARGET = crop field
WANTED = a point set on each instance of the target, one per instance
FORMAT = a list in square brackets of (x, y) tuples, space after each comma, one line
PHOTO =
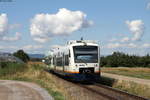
[(143, 73)]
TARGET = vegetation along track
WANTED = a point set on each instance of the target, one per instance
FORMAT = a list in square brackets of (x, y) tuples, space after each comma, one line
[(94, 91)]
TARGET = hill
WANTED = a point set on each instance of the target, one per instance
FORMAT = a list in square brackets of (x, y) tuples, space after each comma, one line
[(36, 55)]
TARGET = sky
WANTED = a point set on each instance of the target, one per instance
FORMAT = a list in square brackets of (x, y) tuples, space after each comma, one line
[(36, 26)]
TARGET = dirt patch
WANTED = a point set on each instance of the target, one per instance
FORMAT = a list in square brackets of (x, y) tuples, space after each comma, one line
[(16, 90)]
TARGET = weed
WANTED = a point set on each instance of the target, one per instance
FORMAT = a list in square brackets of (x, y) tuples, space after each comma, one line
[(132, 87)]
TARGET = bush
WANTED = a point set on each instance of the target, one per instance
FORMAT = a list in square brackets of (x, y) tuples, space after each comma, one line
[(3, 64), (22, 55), (8, 68)]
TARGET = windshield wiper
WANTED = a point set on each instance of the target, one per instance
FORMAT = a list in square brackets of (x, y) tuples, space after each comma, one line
[(83, 61)]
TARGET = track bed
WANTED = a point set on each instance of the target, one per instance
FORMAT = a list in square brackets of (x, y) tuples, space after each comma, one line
[(91, 91)]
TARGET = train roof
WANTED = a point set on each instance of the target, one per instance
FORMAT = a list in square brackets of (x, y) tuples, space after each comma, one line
[(72, 43), (82, 41)]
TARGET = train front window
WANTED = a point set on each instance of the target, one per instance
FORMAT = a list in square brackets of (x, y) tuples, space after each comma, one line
[(85, 54)]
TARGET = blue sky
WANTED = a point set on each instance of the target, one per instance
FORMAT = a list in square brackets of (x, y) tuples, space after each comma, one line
[(118, 25)]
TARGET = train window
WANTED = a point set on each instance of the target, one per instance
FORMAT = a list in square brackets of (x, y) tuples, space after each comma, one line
[(53, 61), (66, 60), (85, 54), (69, 53), (59, 61)]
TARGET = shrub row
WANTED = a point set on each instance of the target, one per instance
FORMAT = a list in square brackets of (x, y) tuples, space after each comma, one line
[(119, 59)]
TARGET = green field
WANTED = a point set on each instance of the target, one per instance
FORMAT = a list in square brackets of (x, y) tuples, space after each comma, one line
[(143, 73)]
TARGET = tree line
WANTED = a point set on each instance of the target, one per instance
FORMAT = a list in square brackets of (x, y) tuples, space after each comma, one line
[(120, 59)]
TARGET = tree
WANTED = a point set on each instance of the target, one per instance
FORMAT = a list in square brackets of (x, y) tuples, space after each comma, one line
[(22, 55), (120, 59)]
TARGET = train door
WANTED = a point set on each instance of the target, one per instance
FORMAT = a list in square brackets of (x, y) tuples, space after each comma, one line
[(55, 62), (63, 61), (69, 58)]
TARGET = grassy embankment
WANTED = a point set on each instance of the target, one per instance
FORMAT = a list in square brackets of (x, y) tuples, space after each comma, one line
[(143, 73), (131, 87), (31, 72), (128, 86)]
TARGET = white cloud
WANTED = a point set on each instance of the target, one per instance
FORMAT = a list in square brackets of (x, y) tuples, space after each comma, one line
[(131, 45), (146, 45), (113, 45), (5, 27), (137, 28), (122, 45), (14, 26), (112, 40), (64, 22), (3, 24), (41, 39), (148, 5), (26, 48), (125, 39), (8, 47), (31, 47), (15, 38)]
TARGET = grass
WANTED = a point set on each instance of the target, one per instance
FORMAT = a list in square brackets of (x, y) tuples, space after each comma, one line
[(31, 72), (133, 88), (128, 86), (143, 73), (9, 68), (107, 81)]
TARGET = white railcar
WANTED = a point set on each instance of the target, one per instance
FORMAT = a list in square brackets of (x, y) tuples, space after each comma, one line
[(78, 59)]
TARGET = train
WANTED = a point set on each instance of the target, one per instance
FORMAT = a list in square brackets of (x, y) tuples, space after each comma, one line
[(78, 60)]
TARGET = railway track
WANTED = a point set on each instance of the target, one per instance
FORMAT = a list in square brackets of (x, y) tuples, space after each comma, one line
[(111, 93), (100, 92), (95, 91)]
